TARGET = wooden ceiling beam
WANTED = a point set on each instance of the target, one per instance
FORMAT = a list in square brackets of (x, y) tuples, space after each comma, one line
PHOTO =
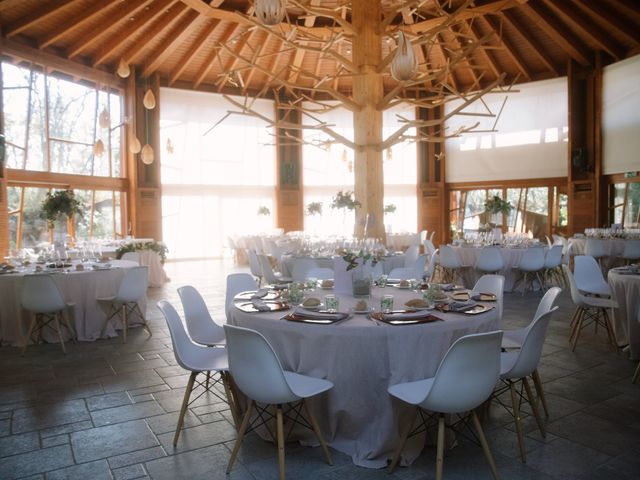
[(255, 58), (586, 27), (76, 22), (472, 29), (613, 19), (630, 8), (445, 59), (92, 37), (7, 4), (558, 32), (509, 48), (231, 30), (232, 62), (533, 43), (454, 33), (150, 13), (200, 42), (39, 15), (173, 39)]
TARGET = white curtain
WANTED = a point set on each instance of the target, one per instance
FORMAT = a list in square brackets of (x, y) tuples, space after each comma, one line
[(530, 141), (213, 181)]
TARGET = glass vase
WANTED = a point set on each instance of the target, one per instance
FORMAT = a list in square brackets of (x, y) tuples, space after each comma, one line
[(361, 282)]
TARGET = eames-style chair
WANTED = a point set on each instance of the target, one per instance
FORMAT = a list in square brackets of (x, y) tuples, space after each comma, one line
[(201, 327), (258, 374), (133, 287), (464, 380), (238, 283), (593, 309), (553, 266), (450, 264), (41, 296), (594, 247), (268, 274), (411, 256), (197, 359), (631, 252), (254, 265), (490, 260), (492, 284), (321, 273), (516, 367), (588, 276), (429, 247), (415, 271), (531, 265), (301, 268)]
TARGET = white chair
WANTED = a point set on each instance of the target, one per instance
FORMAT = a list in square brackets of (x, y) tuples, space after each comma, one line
[(492, 284), (531, 263), (132, 288), (411, 255), (268, 274), (41, 296), (464, 380), (549, 242), (375, 271), (490, 260), (321, 273), (589, 308), (416, 271), (516, 366), (197, 359), (236, 283), (301, 267), (450, 263), (553, 266), (431, 236), (588, 276), (254, 265), (258, 374), (594, 247), (131, 257), (201, 327), (429, 247), (631, 251), (431, 266)]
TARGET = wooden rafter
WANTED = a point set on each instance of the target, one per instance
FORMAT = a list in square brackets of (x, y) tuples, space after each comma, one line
[(202, 40), (452, 79), (467, 58), (256, 55), (614, 20), (37, 16), (533, 43), (230, 31), (233, 61), (472, 30), (509, 48)]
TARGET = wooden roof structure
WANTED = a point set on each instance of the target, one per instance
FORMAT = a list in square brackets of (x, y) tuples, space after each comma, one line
[(218, 45)]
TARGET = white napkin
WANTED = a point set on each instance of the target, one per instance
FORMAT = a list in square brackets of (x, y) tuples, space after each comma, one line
[(461, 306), (260, 293), (260, 305), (319, 315), (404, 315)]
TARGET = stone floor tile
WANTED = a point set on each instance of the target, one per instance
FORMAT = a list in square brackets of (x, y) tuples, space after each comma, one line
[(98, 470), (198, 437), (564, 459), (131, 380), (125, 413), (139, 456), (130, 472), (56, 440), (168, 422), (72, 427), (108, 400), (34, 462), (5, 427), (52, 415), (24, 442)]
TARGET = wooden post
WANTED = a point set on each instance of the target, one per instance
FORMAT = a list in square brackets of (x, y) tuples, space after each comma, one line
[(367, 122), (4, 202)]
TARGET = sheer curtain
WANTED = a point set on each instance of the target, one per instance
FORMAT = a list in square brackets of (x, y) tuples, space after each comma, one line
[(213, 180)]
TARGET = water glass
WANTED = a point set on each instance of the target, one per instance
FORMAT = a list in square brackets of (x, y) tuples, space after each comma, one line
[(296, 294), (311, 283), (415, 284), (382, 281), (332, 302), (386, 303)]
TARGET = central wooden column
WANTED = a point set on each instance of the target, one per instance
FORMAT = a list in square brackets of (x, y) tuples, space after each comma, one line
[(368, 91)]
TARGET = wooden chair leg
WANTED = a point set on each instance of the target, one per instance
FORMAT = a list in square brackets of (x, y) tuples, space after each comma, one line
[(609, 328), (241, 432), (485, 446), (403, 440), (185, 404), (59, 330), (440, 447), (537, 383), (316, 429), (280, 437), (107, 320), (636, 375), (576, 332), (534, 407), (231, 399), (125, 323), (516, 415), (29, 333)]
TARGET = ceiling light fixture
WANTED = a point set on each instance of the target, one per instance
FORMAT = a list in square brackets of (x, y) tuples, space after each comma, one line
[(270, 12), (403, 66)]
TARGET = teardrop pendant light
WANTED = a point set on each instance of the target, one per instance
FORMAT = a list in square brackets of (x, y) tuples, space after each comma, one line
[(98, 148), (103, 118), (123, 70), (149, 100), (403, 67), (147, 154), (135, 145), (270, 12)]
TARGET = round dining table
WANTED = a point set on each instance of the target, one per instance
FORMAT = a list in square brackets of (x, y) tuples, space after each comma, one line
[(625, 288), (80, 288), (362, 357), (388, 262)]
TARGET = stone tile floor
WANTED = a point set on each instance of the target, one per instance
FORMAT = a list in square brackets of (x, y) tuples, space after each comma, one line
[(108, 410)]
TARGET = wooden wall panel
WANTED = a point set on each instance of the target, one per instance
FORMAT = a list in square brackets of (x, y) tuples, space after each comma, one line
[(4, 203)]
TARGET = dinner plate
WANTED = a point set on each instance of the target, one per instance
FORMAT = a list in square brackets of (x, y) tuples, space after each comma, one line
[(249, 307), (387, 318), (478, 309), (271, 295), (315, 308), (426, 309), (325, 317)]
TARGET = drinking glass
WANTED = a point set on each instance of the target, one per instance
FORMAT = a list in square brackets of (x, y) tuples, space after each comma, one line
[(311, 283), (386, 303), (332, 302), (382, 281)]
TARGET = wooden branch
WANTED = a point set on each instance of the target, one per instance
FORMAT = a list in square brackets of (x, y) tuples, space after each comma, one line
[(261, 44), (491, 61), (332, 13), (230, 65), (206, 66)]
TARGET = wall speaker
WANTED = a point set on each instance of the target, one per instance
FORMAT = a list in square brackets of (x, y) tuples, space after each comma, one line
[(579, 159)]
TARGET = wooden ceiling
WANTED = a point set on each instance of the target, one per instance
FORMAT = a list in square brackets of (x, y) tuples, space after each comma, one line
[(216, 45)]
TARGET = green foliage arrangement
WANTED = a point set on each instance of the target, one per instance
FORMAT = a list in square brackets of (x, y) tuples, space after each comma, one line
[(497, 205), (314, 208), (352, 258), (262, 210), (60, 204), (391, 208), (345, 200), (159, 248)]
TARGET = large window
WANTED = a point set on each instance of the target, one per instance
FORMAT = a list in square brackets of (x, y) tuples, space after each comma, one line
[(625, 204), (53, 126)]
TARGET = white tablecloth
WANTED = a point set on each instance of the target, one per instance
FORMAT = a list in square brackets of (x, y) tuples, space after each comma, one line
[(388, 263), (626, 291), (613, 248), (401, 241), (357, 416), (81, 288), (157, 275)]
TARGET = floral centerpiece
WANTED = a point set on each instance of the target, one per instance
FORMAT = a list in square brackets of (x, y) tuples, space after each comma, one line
[(159, 248), (497, 205), (345, 201), (60, 205), (314, 208), (262, 210), (390, 208), (356, 260)]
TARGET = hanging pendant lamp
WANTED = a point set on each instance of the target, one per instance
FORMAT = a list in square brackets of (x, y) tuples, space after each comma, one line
[(98, 148), (403, 66), (270, 12), (123, 70), (103, 118), (146, 155), (149, 100), (135, 145)]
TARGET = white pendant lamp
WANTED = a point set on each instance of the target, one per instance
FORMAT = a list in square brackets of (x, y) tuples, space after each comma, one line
[(135, 145), (149, 100), (123, 70), (103, 118), (270, 12), (98, 148), (146, 155), (403, 66)]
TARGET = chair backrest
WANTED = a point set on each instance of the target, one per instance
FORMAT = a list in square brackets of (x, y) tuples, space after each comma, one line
[(547, 301), (301, 268), (411, 255), (432, 265), (432, 235), (40, 294), (423, 235), (594, 247), (255, 367), (492, 284), (532, 260), (134, 284), (267, 270), (236, 283), (490, 260), (131, 257), (419, 265), (553, 258), (201, 327), (529, 353), (467, 374), (576, 296), (631, 249), (429, 247), (586, 272), (321, 273), (254, 264), (449, 257)]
